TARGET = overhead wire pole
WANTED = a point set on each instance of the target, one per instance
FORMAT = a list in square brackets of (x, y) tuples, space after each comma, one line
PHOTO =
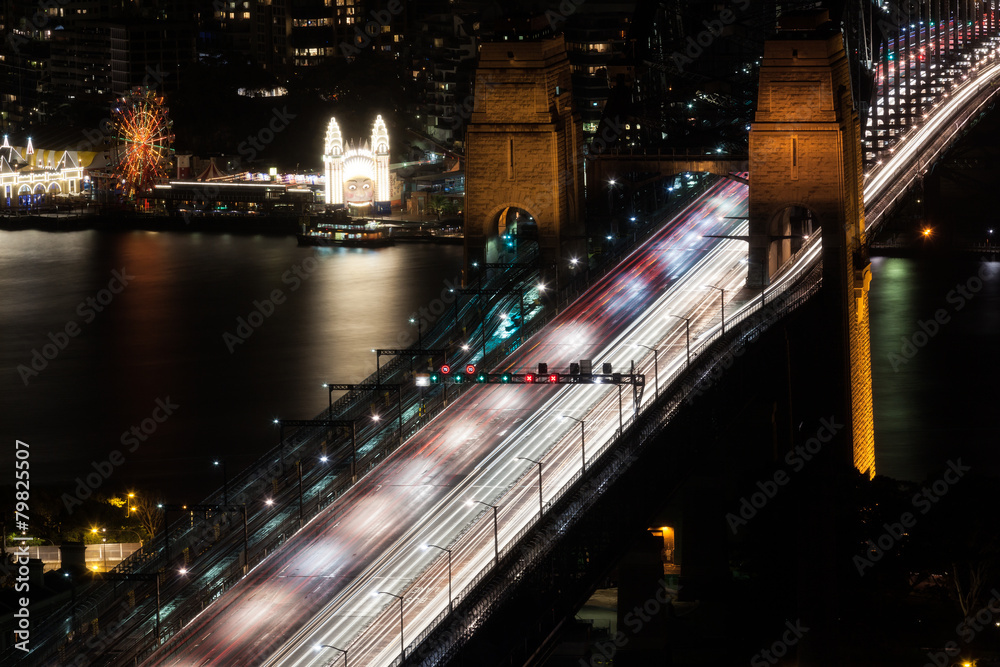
[(519, 278), (420, 350), (432, 352), (482, 311), (210, 508), (329, 423), (335, 386), (142, 576)]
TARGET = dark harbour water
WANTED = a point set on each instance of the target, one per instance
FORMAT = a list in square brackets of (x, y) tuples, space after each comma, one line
[(161, 342), (935, 384), (161, 339)]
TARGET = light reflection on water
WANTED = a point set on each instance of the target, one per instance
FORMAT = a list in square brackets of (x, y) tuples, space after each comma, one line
[(934, 401), (163, 335)]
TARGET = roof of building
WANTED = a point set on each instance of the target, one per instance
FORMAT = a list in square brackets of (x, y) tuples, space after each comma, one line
[(212, 172)]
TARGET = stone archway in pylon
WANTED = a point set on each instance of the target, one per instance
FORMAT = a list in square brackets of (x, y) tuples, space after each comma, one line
[(787, 231), (511, 228)]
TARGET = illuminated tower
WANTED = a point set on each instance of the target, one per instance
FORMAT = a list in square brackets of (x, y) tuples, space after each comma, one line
[(380, 149), (333, 161), (357, 176), (805, 155), (524, 149)]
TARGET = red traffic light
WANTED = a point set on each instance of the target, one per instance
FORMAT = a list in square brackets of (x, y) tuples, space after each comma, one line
[(554, 378), (470, 369), (445, 369), (529, 377)]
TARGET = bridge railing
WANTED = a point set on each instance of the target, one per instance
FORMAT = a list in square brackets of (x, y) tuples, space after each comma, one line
[(693, 152), (219, 558), (97, 600), (709, 357), (381, 444)]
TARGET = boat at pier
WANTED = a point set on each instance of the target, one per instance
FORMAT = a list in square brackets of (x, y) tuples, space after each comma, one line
[(350, 234)]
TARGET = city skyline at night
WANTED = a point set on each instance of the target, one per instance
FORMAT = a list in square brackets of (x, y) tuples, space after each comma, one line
[(453, 332)]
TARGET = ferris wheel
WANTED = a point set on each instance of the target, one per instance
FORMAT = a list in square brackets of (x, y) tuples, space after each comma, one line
[(141, 140)]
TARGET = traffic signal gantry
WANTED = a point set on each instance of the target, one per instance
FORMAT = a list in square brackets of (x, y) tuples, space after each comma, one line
[(469, 375)]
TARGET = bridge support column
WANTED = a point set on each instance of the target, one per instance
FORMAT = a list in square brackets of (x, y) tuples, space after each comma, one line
[(805, 154), (524, 147)]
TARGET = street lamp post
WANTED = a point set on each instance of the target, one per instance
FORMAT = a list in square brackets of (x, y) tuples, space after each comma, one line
[(656, 365), (723, 298), (128, 505), (402, 647), (320, 647), (246, 541), (449, 571), (611, 185), (298, 470), (496, 537), (225, 481), (539, 464), (621, 419), (687, 335), (583, 439)]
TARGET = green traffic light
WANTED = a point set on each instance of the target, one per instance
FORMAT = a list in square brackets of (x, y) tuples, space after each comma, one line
[(481, 377), (458, 379), (505, 378), (435, 379)]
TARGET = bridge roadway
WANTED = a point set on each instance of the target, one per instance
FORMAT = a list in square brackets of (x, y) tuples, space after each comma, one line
[(419, 494), (323, 587)]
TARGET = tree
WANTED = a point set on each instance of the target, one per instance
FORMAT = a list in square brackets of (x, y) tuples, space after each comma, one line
[(150, 516)]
